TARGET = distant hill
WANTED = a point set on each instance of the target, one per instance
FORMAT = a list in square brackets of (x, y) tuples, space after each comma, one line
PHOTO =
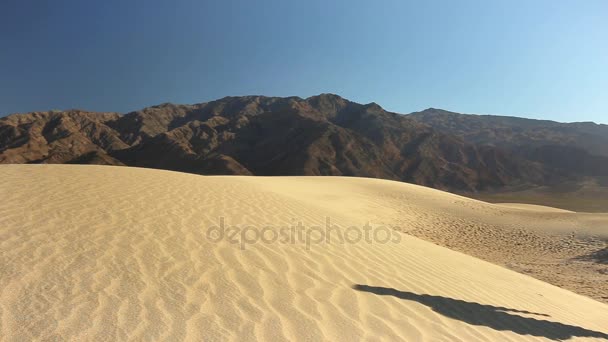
[(320, 135), (574, 149)]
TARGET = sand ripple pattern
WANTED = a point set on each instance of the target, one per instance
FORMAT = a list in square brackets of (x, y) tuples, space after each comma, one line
[(91, 253)]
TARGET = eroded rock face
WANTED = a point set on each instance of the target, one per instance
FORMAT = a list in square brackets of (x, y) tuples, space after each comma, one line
[(572, 149), (320, 135)]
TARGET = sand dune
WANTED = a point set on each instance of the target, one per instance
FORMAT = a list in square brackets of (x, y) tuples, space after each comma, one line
[(116, 253), (533, 207)]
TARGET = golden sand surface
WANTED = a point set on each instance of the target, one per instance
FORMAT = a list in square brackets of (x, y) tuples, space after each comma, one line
[(100, 253)]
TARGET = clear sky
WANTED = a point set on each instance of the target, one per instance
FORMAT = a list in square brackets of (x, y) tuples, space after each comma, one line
[(531, 58)]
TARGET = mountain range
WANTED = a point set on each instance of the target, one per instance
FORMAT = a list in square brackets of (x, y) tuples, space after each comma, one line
[(319, 135)]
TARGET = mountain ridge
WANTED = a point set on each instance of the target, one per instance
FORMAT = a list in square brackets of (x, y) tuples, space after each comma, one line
[(260, 135)]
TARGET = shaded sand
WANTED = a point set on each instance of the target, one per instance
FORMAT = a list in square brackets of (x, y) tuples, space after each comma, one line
[(115, 253)]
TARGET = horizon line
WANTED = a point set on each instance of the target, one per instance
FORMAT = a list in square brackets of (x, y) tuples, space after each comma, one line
[(3, 115)]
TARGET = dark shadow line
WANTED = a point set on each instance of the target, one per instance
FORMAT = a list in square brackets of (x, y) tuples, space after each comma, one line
[(495, 317)]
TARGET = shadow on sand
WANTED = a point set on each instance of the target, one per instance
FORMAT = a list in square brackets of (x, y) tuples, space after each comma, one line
[(599, 256), (497, 318)]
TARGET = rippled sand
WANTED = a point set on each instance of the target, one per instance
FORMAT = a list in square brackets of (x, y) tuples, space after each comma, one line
[(116, 253)]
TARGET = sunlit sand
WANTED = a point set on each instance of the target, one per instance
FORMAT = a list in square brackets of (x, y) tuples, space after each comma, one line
[(105, 253)]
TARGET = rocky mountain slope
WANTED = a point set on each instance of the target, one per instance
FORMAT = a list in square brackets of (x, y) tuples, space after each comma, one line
[(572, 149), (320, 135)]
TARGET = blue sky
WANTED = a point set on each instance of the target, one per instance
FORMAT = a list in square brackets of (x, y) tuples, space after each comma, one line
[(532, 58)]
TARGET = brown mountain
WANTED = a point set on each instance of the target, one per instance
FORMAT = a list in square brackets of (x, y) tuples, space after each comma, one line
[(573, 149), (59, 137), (320, 135)]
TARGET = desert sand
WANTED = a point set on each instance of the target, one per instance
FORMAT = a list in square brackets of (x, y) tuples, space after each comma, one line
[(98, 253)]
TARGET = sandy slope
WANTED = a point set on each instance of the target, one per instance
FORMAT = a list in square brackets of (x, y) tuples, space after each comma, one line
[(106, 253)]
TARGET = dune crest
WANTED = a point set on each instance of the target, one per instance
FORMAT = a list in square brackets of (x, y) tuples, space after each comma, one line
[(105, 253)]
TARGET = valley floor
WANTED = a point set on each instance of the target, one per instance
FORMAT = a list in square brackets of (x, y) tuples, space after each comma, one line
[(582, 196)]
